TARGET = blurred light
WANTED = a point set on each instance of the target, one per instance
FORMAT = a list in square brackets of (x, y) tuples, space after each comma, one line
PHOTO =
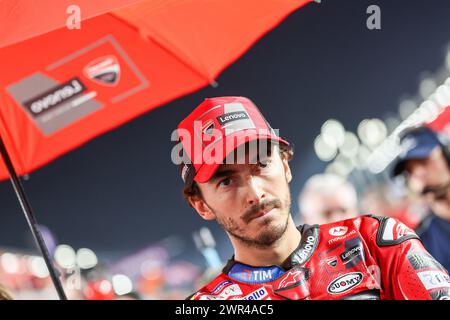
[(151, 270), (392, 123), (10, 263), (105, 286), (372, 132), (122, 284), (350, 146), (442, 96), (432, 110), (324, 151), (342, 166), (376, 167), (424, 113), (333, 132), (361, 158), (330, 168), (406, 108), (65, 256), (207, 237), (38, 267), (86, 258), (212, 257), (427, 87), (380, 158)]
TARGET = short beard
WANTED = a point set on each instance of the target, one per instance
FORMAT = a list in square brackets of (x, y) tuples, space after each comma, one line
[(266, 238)]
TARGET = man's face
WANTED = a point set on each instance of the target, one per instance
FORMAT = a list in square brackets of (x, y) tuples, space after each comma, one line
[(250, 200), (431, 173)]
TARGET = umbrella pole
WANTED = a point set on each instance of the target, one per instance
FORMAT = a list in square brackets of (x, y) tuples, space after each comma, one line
[(32, 223)]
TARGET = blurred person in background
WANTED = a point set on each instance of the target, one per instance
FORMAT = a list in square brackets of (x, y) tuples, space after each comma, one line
[(387, 200), (235, 170), (425, 164), (327, 198)]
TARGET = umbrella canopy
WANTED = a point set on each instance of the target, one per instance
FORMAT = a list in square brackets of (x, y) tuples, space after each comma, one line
[(61, 87)]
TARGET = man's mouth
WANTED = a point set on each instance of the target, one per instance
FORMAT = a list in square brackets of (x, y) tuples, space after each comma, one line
[(261, 213), (261, 210)]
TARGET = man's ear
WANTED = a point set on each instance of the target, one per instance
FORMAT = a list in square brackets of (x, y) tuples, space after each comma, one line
[(287, 170), (201, 207)]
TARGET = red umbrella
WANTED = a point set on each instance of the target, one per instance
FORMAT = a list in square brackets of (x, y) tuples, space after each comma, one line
[(61, 87)]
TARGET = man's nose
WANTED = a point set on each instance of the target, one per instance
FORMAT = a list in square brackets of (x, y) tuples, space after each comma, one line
[(418, 170), (255, 190)]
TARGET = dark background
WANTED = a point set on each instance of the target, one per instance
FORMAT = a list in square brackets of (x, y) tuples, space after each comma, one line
[(120, 192)]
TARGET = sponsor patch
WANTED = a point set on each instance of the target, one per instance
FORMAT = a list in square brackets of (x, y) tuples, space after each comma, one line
[(64, 91), (307, 248), (351, 233), (232, 116), (220, 286), (420, 260), (258, 294), (249, 274), (104, 70), (232, 290), (291, 278), (345, 283), (332, 262), (338, 231), (52, 105), (434, 279), (54, 97), (353, 254)]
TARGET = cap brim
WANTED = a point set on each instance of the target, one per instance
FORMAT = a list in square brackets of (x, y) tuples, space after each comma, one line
[(414, 154), (206, 171)]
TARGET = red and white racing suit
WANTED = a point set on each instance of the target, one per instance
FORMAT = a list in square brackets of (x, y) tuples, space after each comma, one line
[(363, 258)]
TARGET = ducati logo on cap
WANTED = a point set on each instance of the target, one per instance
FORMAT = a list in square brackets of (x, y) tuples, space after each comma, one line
[(104, 70), (208, 127)]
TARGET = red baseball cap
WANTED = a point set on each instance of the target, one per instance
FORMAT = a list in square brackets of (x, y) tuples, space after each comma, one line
[(216, 128)]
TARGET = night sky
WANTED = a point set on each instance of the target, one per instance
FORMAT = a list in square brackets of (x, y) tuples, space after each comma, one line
[(120, 192)]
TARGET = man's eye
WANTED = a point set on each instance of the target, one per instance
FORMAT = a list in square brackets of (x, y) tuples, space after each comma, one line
[(225, 182), (264, 163)]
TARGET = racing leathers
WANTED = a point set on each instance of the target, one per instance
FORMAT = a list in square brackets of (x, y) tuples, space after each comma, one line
[(367, 257)]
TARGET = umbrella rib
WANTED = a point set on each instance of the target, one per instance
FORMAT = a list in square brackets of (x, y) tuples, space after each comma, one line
[(203, 75)]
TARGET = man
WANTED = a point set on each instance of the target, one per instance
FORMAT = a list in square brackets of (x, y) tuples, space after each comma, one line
[(424, 161), (327, 198), (386, 199), (246, 190)]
